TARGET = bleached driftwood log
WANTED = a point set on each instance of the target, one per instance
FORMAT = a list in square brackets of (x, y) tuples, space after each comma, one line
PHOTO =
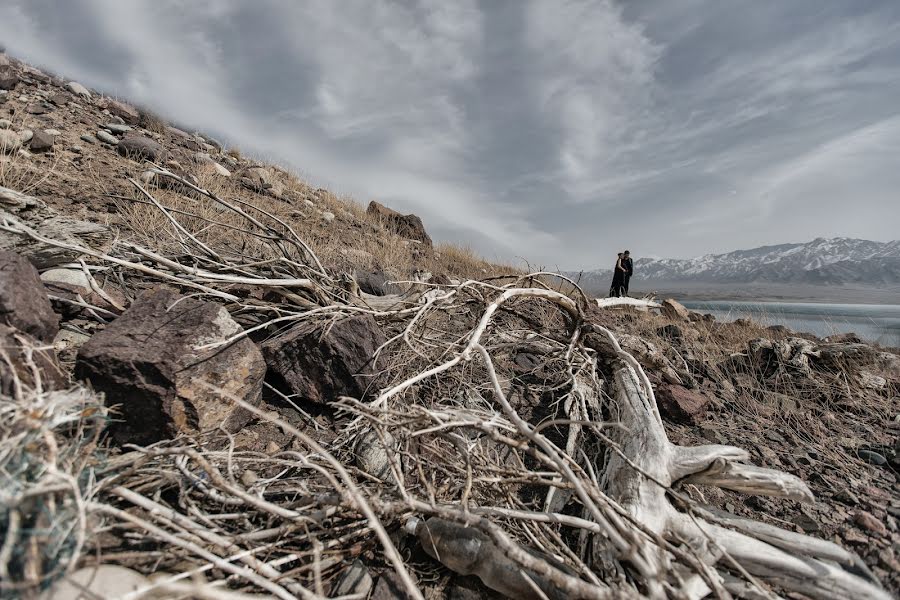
[(649, 465), (637, 303)]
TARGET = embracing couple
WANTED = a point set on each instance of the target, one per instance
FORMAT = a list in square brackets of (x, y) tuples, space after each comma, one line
[(621, 274)]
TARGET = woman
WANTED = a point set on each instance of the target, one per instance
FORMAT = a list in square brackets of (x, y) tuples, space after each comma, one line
[(618, 282)]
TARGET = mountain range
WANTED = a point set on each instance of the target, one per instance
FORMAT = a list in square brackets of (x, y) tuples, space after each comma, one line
[(823, 261)]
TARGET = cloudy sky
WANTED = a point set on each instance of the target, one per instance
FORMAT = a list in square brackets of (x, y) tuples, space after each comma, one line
[(555, 131)]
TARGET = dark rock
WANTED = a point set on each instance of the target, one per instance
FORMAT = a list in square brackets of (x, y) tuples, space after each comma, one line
[(780, 329), (128, 113), (389, 587), (148, 362), (90, 139), (321, 365), (375, 282), (41, 141), (23, 355), (23, 299), (471, 588), (872, 457), (671, 332), (406, 226), (681, 405), (9, 79), (844, 338), (674, 310), (139, 148)]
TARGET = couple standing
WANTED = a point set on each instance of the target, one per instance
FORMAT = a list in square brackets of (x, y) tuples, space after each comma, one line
[(621, 275)]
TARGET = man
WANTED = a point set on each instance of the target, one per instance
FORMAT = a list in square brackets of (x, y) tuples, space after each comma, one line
[(628, 265)]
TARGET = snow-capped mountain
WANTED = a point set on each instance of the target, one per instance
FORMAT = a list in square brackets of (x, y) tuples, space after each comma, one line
[(835, 261)]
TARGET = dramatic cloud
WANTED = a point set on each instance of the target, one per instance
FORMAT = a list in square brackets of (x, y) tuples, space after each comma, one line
[(553, 131)]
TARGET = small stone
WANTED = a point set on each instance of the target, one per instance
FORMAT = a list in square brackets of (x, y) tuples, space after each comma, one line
[(78, 89), (42, 141), (871, 457), (36, 109), (869, 523), (328, 217), (102, 581), (118, 128), (74, 277), (872, 381), (309, 204), (107, 138), (248, 478), (76, 149), (220, 170), (5, 123), (89, 139), (59, 99), (272, 448), (53, 131)]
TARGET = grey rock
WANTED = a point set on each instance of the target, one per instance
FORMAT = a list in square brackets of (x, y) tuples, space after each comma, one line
[(9, 141), (5, 123), (126, 112), (59, 99), (9, 79), (355, 580), (118, 128), (102, 582), (139, 148), (25, 135), (107, 138), (373, 455), (90, 139), (327, 216), (78, 89), (75, 277)]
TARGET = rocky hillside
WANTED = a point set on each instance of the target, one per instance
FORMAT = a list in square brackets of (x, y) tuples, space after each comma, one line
[(218, 382), (835, 261)]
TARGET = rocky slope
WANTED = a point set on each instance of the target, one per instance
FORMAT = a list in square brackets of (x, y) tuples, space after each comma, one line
[(835, 261), (207, 379)]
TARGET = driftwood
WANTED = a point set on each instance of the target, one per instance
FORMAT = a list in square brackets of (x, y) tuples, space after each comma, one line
[(638, 303)]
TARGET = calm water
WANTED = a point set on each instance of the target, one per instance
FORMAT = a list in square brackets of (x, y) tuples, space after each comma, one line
[(874, 322)]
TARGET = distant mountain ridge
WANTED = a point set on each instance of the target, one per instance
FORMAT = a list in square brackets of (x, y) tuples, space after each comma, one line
[(823, 261)]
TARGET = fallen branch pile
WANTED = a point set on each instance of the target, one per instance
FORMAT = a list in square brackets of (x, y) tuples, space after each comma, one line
[(499, 406)]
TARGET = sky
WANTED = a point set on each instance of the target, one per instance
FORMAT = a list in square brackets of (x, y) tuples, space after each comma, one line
[(551, 131)]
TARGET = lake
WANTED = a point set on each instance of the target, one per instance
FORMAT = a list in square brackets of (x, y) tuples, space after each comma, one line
[(874, 322)]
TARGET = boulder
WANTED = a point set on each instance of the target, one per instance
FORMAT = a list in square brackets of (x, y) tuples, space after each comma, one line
[(140, 148), (406, 226), (117, 128), (674, 310), (126, 112), (319, 364), (41, 141), (23, 299), (78, 89), (681, 405), (151, 363)]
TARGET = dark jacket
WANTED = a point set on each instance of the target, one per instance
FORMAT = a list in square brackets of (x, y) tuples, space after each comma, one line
[(629, 266)]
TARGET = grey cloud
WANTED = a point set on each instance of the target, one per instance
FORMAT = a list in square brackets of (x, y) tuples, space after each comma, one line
[(553, 131)]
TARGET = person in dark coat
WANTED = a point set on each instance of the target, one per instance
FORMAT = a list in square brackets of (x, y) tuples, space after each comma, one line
[(618, 282), (628, 266)]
